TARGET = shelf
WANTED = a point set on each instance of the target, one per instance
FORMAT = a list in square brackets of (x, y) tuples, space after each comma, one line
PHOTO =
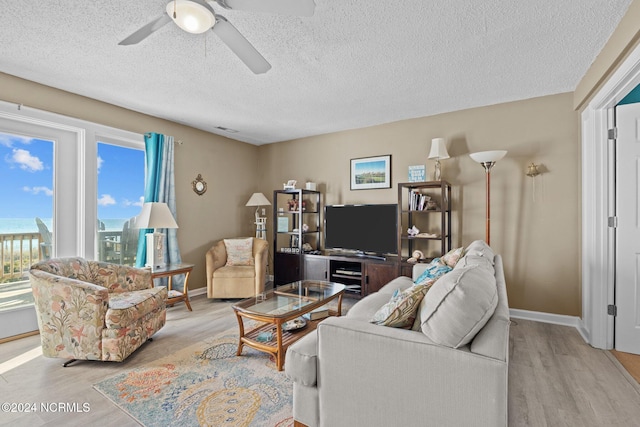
[(423, 238), (289, 239), (296, 212), (295, 233), (410, 196), (425, 211)]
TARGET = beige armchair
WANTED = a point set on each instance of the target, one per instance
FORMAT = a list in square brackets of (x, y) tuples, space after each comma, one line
[(236, 281)]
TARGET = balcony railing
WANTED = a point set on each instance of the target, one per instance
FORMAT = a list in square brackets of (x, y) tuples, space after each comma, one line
[(17, 252)]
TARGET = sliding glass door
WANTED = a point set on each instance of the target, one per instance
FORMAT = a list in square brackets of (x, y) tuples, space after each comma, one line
[(64, 183), (26, 216)]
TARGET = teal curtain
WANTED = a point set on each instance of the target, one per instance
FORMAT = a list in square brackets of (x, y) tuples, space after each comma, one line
[(160, 187)]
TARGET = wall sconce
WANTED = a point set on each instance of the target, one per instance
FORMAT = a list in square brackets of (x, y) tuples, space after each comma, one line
[(532, 171)]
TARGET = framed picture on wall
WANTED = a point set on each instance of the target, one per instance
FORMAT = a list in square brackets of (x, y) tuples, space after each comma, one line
[(371, 172)]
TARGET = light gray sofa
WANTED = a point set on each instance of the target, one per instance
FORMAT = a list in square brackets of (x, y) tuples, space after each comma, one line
[(355, 373)]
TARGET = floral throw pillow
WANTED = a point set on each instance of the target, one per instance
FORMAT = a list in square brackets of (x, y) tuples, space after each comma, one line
[(239, 251), (435, 269), (452, 257), (401, 310)]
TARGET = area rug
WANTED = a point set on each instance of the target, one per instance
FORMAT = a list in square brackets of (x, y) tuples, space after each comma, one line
[(205, 384)]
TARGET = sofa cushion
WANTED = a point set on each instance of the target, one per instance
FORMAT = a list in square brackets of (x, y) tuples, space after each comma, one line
[(301, 360), (127, 308), (232, 272), (458, 305), (367, 306), (401, 282), (480, 248), (239, 251), (400, 311)]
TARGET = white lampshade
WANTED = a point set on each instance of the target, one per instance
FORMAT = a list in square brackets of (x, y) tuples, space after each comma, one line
[(488, 156), (155, 215), (438, 149), (258, 199), (192, 17)]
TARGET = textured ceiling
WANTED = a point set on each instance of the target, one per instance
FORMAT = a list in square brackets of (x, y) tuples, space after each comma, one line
[(355, 63)]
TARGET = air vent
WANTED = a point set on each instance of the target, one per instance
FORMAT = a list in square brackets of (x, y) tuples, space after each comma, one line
[(224, 129)]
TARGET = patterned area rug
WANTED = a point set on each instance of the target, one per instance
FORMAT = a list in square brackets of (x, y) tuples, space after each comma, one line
[(205, 385)]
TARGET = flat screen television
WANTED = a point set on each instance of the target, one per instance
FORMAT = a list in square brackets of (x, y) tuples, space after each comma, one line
[(367, 229)]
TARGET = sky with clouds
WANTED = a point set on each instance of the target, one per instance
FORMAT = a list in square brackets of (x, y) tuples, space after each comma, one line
[(26, 179)]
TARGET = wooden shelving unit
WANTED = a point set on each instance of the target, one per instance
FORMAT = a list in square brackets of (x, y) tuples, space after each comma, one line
[(292, 210), (433, 220)]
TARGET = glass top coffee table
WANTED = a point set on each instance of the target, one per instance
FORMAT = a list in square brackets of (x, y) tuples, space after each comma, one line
[(279, 306)]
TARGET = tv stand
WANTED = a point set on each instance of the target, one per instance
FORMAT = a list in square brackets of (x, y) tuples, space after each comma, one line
[(368, 256), (361, 273), (355, 254)]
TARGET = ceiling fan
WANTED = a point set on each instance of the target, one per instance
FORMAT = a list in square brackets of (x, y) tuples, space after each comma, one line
[(197, 16)]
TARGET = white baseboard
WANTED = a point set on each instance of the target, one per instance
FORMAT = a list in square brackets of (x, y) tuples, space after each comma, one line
[(556, 319), (539, 316)]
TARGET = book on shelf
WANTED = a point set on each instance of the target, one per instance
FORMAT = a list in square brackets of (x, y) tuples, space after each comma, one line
[(418, 201), (318, 313)]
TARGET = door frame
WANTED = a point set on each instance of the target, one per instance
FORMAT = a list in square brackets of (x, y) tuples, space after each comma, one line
[(598, 204)]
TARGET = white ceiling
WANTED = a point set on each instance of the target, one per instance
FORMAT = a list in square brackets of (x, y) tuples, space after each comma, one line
[(355, 63)]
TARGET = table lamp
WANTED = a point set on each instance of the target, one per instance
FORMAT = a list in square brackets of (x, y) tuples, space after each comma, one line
[(438, 152), (488, 159), (258, 199), (155, 215)]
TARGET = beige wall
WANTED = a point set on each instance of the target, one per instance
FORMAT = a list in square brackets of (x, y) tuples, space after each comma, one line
[(229, 167), (539, 239)]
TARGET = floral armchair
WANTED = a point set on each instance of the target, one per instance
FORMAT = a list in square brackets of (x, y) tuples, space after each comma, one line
[(95, 310)]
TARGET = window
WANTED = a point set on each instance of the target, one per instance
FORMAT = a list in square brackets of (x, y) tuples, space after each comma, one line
[(120, 197)]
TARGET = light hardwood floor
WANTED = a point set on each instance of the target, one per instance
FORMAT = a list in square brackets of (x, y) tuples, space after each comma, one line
[(555, 379)]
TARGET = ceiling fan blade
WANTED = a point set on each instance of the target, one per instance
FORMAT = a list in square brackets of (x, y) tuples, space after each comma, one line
[(147, 30), (282, 7), (240, 45)]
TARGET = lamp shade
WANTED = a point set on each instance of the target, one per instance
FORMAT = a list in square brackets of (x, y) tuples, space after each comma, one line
[(438, 149), (192, 17), (258, 199), (155, 215), (488, 156)]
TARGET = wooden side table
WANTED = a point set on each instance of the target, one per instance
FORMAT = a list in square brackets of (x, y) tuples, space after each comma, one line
[(169, 271)]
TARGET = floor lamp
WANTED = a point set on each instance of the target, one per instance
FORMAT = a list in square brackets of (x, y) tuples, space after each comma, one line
[(155, 215), (257, 200), (487, 159)]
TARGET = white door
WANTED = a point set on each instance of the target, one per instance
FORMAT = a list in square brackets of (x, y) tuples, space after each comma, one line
[(627, 321)]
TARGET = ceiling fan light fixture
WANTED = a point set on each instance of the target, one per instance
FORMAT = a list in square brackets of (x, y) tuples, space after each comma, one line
[(192, 17)]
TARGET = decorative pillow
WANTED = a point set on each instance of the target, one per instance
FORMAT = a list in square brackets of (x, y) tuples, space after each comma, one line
[(400, 311), (452, 257), (239, 251), (458, 305), (435, 269)]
